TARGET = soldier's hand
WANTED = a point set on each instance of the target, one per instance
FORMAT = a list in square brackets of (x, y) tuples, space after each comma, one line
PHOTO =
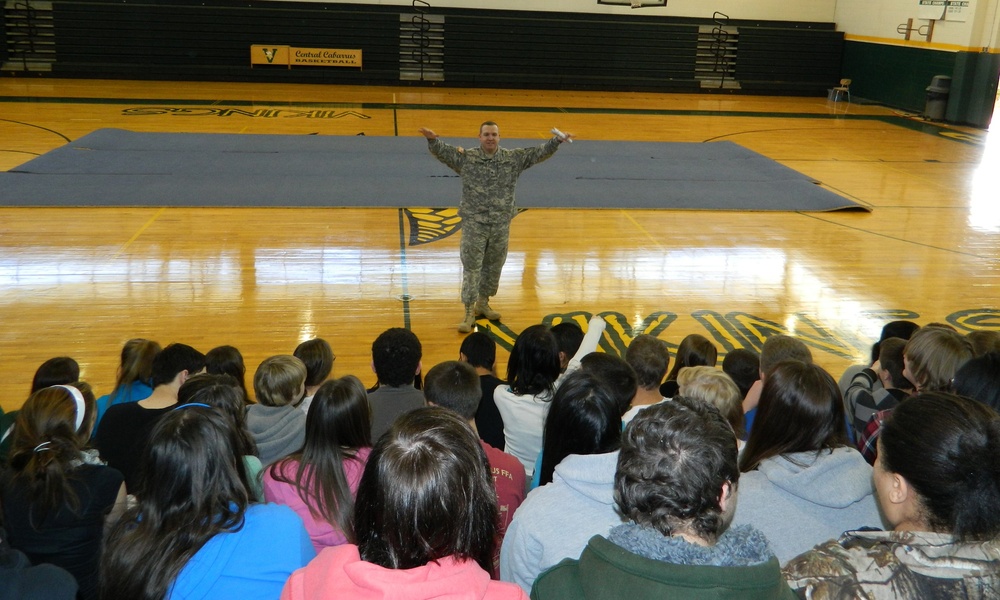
[(428, 133)]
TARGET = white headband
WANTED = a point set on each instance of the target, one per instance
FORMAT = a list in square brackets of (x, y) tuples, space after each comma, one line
[(81, 407)]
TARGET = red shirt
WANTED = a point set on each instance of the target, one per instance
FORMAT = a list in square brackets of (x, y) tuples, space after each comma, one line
[(509, 479)]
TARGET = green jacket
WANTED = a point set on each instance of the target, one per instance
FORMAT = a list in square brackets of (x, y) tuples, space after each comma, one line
[(606, 571)]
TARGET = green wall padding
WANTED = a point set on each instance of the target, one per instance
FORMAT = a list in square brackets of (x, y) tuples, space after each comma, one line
[(894, 75)]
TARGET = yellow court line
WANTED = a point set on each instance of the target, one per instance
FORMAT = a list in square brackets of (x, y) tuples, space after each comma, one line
[(140, 232), (642, 229)]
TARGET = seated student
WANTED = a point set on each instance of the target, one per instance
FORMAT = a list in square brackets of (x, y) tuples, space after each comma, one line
[(619, 376), (57, 497), (903, 330), (532, 377), (713, 386), (21, 581), (228, 360), (776, 349), (126, 427), (134, 380), (582, 434), (984, 341), (319, 481), (278, 427), (61, 370), (396, 357), (938, 482), (676, 483), (863, 398), (317, 355), (743, 366), (802, 482), (223, 393), (480, 351), (649, 356), (979, 379), (694, 351), (532, 371), (568, 336), (930, 360), (455, 385), (195, 533), (425, 521), (620, 380)]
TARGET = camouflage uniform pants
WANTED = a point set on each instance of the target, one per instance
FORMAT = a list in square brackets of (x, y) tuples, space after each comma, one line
[(484, 251)]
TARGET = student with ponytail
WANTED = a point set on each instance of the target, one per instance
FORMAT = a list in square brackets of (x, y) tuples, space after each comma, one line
[(195, 533), (61, 370), (134, 380), (56, 495), (319, 482), (938, 482)]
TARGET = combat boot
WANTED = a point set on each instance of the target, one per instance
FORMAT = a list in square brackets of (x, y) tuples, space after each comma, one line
[(483, 309), (469, 321)]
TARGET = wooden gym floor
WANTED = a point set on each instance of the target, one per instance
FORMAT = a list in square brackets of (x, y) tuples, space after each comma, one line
[(81, 281)]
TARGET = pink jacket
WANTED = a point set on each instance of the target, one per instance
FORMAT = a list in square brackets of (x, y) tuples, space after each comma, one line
[(339, 572), (321, 532)]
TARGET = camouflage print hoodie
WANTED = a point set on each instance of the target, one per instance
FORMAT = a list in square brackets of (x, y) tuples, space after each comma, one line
[(897, 565), (488, 181)]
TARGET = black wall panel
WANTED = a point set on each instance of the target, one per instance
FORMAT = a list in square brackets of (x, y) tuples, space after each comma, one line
[(211, 39)]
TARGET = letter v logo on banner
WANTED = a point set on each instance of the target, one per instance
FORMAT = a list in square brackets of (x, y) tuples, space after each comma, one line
[(261, 54)]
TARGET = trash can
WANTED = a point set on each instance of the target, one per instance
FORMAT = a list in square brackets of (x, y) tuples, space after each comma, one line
[(937, 97)]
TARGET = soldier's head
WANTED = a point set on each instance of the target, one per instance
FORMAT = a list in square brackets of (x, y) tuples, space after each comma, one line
[(489, 137)]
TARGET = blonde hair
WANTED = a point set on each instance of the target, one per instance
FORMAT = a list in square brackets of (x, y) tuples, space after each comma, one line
[(137, 362), (715, 387), (278, 380), (934, 355)]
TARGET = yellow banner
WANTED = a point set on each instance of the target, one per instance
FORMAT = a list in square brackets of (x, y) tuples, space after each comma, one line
[(261, 54), (324, 57)]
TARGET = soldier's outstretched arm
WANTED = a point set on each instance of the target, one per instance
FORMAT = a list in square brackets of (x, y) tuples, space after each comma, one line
[(530, 156), (446, 153)]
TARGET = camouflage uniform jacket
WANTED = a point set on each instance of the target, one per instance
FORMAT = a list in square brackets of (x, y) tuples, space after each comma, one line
[(488, 181), (897, 565)]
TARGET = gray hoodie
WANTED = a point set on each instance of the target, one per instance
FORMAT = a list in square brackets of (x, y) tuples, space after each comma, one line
[(277, 430), (557, 520), (800, 500)]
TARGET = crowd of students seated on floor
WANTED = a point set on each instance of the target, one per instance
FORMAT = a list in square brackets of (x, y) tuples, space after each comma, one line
[(582, 474)]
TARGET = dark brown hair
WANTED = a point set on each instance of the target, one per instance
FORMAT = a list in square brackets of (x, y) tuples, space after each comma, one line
[(46, 446), (948, 449), (800, 410), (338, 424), (426, 494)]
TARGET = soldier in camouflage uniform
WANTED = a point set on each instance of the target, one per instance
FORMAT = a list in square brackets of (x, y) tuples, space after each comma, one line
[(489, 174)]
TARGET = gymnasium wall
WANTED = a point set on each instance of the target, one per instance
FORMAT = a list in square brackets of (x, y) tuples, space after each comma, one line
[(766, 10), (786, 46), (887, 68), (616, 49)]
